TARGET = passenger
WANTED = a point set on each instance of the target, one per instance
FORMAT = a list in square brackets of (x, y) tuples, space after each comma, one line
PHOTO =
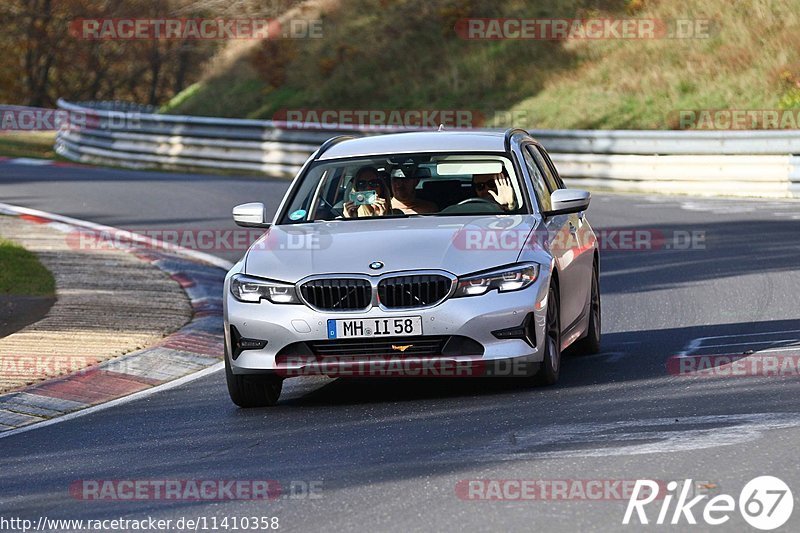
[(368, 179), (404, 190), (495, 188)]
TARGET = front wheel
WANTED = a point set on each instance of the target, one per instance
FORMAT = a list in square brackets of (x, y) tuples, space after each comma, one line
[(550, 367), (252, 390)]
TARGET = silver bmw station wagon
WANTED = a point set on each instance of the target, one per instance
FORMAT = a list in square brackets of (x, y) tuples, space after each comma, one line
[(447, 254)]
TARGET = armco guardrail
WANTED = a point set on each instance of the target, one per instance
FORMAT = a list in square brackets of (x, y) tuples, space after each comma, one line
[(728, 163), (657, 142)]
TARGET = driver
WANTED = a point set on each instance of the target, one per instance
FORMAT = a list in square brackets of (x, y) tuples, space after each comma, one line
[(495, 188)]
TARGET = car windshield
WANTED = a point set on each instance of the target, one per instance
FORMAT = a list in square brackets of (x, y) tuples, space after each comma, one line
[(406, 185)]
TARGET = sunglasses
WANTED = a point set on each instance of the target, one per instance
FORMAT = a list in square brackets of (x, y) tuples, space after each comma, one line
[(368, 183), (481, 185)]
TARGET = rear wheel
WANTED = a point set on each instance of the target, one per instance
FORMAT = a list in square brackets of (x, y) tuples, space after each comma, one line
[(252, 390), (550, 367), (591, 343)]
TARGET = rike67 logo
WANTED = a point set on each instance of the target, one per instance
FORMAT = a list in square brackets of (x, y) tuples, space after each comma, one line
[(765, 503)]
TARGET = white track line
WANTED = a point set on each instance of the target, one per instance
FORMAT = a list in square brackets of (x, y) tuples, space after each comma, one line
[(771, 350), (748, 343), (634, 437), (749, 334), (697, 344)]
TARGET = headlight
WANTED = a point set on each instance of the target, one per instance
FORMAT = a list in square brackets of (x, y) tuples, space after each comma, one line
[(247, 289), (504, 280)]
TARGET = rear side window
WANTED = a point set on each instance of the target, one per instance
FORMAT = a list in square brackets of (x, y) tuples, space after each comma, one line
[(539, 184), (552, 182)]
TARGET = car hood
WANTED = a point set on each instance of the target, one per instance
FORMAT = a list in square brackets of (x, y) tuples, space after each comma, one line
[(459, 245)]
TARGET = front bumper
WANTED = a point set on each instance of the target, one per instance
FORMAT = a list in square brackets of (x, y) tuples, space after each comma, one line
[(473, 317)]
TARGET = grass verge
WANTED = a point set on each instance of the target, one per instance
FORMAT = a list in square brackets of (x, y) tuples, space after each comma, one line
[(37, 144), (22, 274)]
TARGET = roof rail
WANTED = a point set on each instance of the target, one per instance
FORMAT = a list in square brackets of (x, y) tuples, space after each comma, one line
[(330, 142), (510, 132)]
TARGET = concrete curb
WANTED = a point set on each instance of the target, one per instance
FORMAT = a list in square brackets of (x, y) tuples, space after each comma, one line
[(191, 352)]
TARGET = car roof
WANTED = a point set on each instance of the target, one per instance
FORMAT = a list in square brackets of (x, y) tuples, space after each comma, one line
[(427, 141)]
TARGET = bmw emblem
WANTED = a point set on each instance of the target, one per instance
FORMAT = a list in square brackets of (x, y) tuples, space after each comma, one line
[(376, 265)]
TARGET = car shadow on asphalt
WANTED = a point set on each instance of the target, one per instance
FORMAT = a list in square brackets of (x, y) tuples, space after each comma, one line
[(626, 358)]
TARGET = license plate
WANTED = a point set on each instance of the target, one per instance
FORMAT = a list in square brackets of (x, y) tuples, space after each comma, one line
[(404, 326)]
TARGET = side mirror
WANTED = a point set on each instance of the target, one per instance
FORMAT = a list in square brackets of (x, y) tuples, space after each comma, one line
[(252, 215), (566, 201)]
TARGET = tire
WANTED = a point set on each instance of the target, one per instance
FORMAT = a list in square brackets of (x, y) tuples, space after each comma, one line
[(550, 367), (252, 390), (590, 344)]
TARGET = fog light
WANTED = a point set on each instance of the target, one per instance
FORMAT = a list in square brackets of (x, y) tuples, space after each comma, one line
[(240, 344), (523, 332)]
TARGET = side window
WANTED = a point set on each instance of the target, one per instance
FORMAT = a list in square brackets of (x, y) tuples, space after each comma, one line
[(539, 185), (552, 183)]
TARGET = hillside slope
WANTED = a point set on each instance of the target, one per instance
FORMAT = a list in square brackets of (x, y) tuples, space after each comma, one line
[(405, 54)]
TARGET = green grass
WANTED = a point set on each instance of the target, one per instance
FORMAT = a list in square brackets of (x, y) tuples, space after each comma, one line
[(22, 274), (28, 144), (404, 54)]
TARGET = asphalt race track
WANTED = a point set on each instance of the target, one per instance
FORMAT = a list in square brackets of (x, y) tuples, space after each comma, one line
[(390, 453)]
